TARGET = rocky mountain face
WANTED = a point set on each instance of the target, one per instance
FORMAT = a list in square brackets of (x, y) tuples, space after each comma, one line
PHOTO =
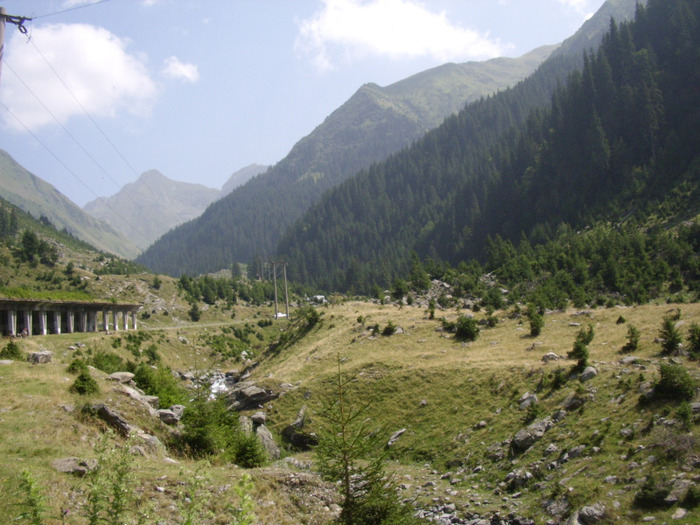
[(153, 204), (39, 198)]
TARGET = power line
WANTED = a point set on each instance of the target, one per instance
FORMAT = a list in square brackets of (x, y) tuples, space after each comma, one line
[(70, 9), (107, 139), (75, 140)]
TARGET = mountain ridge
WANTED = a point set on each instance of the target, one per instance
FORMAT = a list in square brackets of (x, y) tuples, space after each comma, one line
[(39, 198), (373, 123)]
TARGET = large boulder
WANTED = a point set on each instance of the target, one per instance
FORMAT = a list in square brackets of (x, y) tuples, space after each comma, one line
[(265, 437), (40, 357), (247, 395), (76, 466), (113, 418), (588, 374), (121, 377), (529, 435), (295, 434)]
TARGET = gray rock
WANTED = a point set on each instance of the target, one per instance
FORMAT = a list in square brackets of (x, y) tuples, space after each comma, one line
[(150, 443), (629, 360), (527, 399), (395, 437), (591, 514), (246, 424), (6, 361), (40, 357), (679, 514), (572, 402), (576, 451), (168, 417), (121, 377), (268, 442), (679, 489), (527, 437), (150, 402), (551, 449), (518, 479), (296, 436), (588, 374), (113, 418), (550, 356), (259, 418), (76, 466), (247, 395)]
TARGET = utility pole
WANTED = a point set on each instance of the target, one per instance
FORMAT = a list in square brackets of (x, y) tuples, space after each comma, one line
[(286, 295), (274, 280), (16, 20), (2, 36)]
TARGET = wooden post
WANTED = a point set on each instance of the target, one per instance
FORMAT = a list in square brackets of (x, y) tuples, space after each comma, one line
[(274, 279), (286, 294), (2, 36)]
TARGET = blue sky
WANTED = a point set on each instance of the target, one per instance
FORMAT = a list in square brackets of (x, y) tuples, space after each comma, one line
[(98, 92)]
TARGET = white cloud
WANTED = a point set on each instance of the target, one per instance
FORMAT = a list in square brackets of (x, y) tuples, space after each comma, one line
[(389, 28), (177, 69), (93, 63)]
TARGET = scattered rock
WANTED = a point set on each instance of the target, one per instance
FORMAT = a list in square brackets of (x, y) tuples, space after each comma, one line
[(169, 416), (76, 466), (268, 442), (588, 374), (246, 395), (121, 377), (40, 357), (113, 418), (259, 418), (296, 436), (527, 437), (679, 489), (527, 399), (395, 437), (679, 514), (591, 514), (550, 356)]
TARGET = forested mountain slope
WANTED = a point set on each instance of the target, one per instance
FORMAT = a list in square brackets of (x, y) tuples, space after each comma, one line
[(371, 125), (617, 139), (39, 198)]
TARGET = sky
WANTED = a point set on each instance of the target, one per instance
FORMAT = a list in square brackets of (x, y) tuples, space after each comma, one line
[(99, 91)]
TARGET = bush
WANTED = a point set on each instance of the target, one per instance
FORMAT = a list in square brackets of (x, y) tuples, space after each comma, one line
[(694, 341), (77, 366), (651, 495), (108, 362), (389, 329), (194, 312), (466, 329), (670, 336), (12, 351), (249, 451), (84, 384), (632, 339), (160, 382), (675, 383), (536, 322)]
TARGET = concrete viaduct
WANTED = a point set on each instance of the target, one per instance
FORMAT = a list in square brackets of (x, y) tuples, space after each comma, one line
[(26, 317)]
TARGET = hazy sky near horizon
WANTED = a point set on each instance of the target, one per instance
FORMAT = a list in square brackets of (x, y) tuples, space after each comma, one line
[(99, 91)]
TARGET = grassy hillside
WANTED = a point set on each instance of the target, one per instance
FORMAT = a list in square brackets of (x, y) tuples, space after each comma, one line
[(458, 402)]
